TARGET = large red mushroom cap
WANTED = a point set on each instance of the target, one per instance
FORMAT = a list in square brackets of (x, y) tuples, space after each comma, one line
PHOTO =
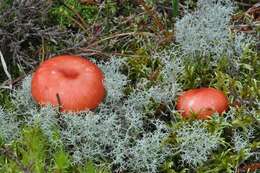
[(202, 101), (72, 82)]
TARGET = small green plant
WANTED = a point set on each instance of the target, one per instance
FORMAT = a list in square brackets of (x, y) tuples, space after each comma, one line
[(33, 153), (72, 13)]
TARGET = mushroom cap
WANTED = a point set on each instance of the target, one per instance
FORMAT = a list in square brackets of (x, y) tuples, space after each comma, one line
[(72, 82), (202, 101)]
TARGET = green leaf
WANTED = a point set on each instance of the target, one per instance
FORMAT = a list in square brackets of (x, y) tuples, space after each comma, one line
[(90, 167), (62, 161), (175, 7)]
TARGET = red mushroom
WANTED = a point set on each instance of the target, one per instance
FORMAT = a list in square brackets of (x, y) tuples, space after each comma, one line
[(72, 82), (202, 102)]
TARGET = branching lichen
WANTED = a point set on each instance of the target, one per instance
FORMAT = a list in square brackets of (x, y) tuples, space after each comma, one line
[(9, 127), (114, 81), (196, 143), (206, 31)]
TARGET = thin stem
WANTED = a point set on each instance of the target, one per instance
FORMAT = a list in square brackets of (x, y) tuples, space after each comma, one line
[(7, 152), (59, 102)]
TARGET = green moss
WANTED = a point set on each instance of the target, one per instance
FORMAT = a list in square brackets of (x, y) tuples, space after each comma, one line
[(5, 4), (67, 12), (142, 66)]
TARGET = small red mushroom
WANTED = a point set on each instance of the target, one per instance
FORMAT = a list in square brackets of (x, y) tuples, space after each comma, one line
[(71, 82), (202, 102)]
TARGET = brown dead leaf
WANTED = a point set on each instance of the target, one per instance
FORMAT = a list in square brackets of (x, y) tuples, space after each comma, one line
[(247, 26), (254, 11), (249, 168), (88, 2), (154, 75), (243, 28)]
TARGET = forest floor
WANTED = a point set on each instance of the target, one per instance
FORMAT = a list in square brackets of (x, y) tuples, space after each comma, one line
[(150, 52)]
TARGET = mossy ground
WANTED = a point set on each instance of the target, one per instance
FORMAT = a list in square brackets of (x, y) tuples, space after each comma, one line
[(141, 35)]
